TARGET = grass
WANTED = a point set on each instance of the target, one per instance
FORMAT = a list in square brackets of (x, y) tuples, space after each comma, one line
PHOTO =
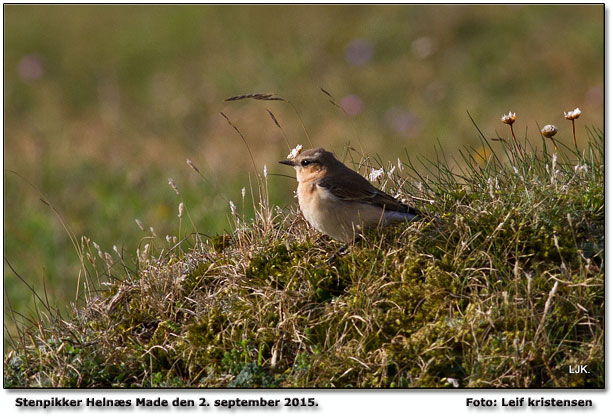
[(104, 102), (501, 284)]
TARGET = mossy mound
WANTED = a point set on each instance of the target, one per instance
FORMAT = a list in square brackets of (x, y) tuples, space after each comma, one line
[(500, 284)]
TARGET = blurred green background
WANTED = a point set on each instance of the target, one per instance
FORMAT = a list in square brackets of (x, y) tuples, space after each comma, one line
[(102, 104)]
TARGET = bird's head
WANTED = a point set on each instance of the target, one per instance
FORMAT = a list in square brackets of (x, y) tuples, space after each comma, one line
[(310, 163)]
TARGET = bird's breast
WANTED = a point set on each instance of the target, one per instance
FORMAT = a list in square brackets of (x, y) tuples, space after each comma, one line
[(308, 198), (322, 210)]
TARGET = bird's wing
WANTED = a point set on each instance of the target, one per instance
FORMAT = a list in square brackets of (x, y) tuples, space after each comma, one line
[(350, 186)]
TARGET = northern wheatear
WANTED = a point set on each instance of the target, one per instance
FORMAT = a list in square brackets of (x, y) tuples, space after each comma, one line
[(338, 201)]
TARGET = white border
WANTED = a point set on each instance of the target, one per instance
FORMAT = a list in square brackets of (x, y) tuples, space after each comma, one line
[(335, 403)]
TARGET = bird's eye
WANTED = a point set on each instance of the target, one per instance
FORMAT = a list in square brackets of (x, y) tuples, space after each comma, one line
[(305, 162)]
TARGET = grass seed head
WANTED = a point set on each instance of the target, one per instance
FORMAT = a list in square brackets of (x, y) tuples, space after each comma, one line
[(509, 118), (192, 165), (140, 225), (173, 185)]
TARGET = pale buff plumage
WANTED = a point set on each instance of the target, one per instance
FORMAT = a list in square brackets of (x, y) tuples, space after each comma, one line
[(338, 201)]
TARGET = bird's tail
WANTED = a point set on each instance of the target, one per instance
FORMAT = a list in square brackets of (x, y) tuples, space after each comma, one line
[(393, 217)]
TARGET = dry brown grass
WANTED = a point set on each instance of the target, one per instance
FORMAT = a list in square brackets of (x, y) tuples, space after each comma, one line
[(500, 285)]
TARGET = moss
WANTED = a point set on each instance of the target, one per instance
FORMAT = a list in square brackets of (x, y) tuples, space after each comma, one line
[(329, 281), (456, 299), (273, 264), (207, 329), (277, 267), (15, 370), (221, 241), (160, 345), (195, 278), (253, 376)]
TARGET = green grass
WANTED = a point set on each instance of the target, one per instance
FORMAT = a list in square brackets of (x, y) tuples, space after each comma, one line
[(128, 93), (501, 284)]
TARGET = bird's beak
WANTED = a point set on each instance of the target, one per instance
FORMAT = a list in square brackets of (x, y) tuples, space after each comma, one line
[(288, 162)]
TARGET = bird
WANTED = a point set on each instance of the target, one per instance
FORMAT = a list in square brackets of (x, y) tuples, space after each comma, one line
[(338, 201)]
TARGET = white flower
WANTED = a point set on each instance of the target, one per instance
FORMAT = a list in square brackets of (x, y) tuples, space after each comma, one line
[(570, 115), (375, 174), (549, 131), (294, 153), (509, 118)]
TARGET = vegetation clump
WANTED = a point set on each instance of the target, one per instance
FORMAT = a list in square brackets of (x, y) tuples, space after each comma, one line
[(500, 284)]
